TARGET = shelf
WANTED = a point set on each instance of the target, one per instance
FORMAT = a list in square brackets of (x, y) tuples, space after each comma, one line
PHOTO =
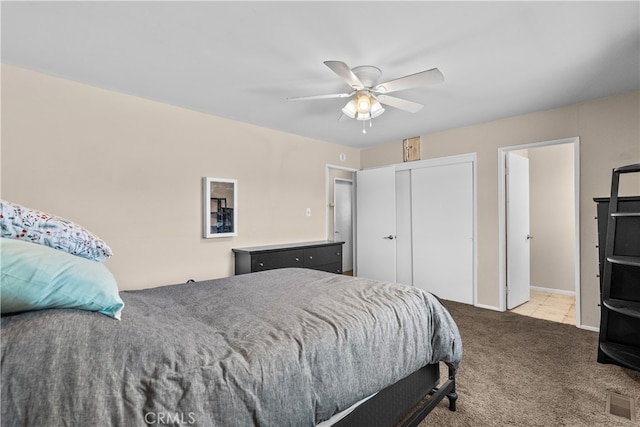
[(628, 168), (625, 214), (633, 261), (627, 308), (624, 355)]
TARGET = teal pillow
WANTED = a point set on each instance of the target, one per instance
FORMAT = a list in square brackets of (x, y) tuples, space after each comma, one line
[(35, 277)]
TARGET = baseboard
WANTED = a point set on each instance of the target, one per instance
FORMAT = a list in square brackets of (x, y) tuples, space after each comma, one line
[(589, 328), (488, 307), (553, 291)]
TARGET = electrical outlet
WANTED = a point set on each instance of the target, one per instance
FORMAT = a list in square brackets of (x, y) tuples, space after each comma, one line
[(308, 211)]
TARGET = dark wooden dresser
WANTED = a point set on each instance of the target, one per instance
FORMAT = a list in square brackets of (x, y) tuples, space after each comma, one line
[(322, 255)]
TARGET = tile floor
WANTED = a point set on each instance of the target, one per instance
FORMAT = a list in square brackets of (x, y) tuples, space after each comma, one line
[(549, 306)]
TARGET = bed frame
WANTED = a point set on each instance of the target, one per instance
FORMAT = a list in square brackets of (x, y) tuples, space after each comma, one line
[(420, 392)]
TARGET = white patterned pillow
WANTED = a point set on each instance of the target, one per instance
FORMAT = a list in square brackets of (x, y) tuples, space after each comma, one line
[(18, 222)]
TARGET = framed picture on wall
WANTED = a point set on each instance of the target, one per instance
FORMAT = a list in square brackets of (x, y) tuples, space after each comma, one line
[(220, 203)]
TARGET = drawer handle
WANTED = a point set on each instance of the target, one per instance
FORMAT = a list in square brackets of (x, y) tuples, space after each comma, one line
[(337, 253), (310, 257), (297, 259), (261, 264)]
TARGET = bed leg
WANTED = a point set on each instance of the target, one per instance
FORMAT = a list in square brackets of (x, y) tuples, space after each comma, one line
[(452, 396)]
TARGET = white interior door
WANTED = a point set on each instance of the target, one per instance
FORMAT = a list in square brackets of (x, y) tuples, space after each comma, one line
[(518, 237), (343, 228), (442, 222), (376, 224)]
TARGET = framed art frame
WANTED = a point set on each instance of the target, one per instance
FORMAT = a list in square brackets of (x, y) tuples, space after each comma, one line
[(220, 207)]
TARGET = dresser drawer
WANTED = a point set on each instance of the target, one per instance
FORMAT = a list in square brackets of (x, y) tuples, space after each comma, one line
[(282, 259), (314, 257), (336, 268)]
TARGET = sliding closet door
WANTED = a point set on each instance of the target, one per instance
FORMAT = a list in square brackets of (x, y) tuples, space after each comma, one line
[(442, 222), (376, 223)]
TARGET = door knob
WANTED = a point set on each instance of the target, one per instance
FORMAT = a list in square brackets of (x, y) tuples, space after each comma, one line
[(529, 237), (390, 237)]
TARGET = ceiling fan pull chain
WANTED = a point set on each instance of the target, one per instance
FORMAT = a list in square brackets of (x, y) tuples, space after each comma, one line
[(364, 130)]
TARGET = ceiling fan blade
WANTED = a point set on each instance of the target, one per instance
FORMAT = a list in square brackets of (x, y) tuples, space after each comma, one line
[(333, 95), (343, 70), (422, 78), (401, 104)]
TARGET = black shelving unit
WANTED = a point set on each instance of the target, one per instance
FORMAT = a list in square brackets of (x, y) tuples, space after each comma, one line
[(619, 339)]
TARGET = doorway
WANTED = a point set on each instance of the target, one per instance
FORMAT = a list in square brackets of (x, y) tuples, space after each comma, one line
[(343, 220), (340, 211), (554, 231)]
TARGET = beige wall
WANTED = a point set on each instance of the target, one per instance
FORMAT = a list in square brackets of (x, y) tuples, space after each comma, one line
[(609, 134), (130, 170)]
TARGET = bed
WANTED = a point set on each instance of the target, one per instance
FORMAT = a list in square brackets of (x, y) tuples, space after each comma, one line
[(287, 347)]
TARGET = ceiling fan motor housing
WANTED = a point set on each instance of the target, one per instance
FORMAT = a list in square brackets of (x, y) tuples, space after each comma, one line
[(367, 74)]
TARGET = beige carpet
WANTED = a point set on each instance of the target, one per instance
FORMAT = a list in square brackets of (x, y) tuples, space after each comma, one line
[(522, 371)]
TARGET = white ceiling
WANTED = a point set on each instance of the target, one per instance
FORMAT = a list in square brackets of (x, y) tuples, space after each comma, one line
[(241, 60)]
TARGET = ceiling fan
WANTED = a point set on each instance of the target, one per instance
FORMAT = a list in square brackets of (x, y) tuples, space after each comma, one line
[(367, 95)]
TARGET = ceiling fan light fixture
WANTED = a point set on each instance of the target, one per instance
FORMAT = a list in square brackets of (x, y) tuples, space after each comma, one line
[(376, 109), (363, 103), (363, 116), (350, 109)]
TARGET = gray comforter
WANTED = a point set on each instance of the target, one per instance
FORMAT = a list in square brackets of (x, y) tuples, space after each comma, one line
[(284, 347)]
